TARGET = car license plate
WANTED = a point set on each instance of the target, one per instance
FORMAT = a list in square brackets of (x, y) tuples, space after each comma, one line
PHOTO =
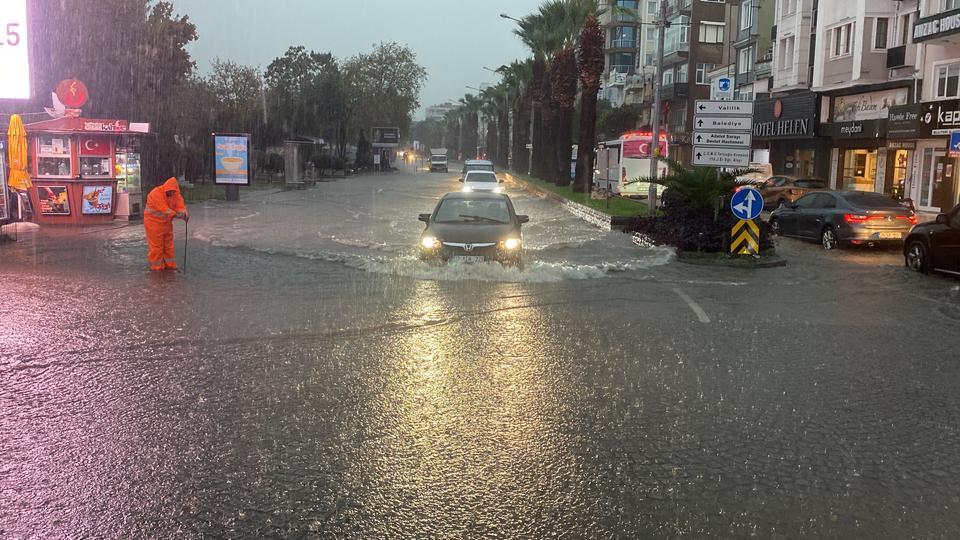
[(891, 235), (469, 258)]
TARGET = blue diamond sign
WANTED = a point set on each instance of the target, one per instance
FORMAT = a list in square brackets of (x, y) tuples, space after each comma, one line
[(746, 204)]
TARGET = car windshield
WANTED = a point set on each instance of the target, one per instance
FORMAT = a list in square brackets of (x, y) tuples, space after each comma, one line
[(478, 167), (868, 200), (455, 210), (481, 177)]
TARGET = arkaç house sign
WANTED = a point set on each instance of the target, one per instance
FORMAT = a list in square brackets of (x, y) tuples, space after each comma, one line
[(937, 26)]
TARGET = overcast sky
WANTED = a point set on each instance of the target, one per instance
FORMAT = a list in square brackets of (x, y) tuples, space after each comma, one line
[(453, 39)]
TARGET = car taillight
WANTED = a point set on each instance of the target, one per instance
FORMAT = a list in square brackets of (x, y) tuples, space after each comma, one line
[(855, 218), (912, 218)]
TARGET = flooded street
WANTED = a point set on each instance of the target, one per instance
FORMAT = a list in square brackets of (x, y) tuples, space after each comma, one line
[(307, 376)]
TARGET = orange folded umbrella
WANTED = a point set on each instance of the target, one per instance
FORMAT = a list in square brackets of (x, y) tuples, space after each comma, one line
[(17, 139)]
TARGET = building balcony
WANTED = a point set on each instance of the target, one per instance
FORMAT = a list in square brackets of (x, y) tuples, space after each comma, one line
[(621, 69), (762, 70), (626, 44), (744, 79), (902, 56), (675, 90)]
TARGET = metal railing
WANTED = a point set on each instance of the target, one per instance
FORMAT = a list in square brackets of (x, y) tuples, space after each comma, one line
[(623, 43)]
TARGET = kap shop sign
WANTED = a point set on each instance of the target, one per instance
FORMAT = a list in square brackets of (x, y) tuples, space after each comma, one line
[(939, 118)]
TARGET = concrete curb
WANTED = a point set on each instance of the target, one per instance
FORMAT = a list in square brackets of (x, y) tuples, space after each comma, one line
[(727, 262), (594, 217)]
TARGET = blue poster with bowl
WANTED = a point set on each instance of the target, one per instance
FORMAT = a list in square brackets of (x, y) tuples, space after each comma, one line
[(232, 159), (97, 199)]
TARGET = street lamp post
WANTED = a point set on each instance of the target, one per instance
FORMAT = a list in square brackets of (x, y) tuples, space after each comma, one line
[(661, 24), (533, 109)]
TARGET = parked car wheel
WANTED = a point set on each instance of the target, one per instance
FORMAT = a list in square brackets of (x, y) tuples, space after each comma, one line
[(828, 239), (775, 227), (916, 257)]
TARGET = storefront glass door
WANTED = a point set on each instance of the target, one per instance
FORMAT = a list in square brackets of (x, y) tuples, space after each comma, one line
[(938, 186), (859, 170)]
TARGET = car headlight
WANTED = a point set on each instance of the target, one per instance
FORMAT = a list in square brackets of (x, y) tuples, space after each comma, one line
[(511, 243), (498, 189), (467, 189), (429, 242)]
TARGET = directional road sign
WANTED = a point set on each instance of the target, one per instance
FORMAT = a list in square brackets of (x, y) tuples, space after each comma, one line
[(723, 123), (745, 238), (721, 138), (954, 149), (706, 106), (718, 156), (747, 203)]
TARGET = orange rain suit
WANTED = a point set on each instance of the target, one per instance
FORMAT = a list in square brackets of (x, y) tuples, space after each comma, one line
[(158, 220)]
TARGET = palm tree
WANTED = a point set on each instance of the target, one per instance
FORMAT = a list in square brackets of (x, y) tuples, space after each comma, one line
[(591, 69), (516, 79), (556, 26), (701, 188), (469, 107)]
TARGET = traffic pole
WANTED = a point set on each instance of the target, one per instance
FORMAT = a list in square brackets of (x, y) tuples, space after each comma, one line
[(661, 23), (186, 235)]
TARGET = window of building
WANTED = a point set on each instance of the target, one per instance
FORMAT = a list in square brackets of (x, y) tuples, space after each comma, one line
[(787, 7), (623, 62), (702, 70), (711, 32), (842, 40), (714, 1), (668, 77), (881, 32), (786, 52), (623, 37), (677, 35), (906, 29), (681, 76), (652, 8), (745, 60), (950, 4), (948, 80), (746, 14)]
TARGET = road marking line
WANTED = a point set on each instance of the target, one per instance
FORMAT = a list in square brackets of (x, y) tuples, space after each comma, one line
[(701, 314)]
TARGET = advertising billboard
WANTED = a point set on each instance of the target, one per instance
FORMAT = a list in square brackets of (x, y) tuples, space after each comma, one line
[(54, 200), (14, 57), (231, 156), (386, 137)]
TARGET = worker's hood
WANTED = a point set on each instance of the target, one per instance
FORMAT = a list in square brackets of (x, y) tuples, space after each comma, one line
[(171, 185)]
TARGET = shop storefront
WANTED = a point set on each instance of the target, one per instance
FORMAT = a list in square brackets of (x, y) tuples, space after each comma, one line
[(936, 173), (82, 168), (861, 159), (785, 134)]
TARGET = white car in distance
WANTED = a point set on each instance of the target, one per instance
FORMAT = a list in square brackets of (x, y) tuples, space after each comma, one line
[(481, 181)]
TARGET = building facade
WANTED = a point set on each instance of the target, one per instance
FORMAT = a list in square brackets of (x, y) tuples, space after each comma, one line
[(629, 44)]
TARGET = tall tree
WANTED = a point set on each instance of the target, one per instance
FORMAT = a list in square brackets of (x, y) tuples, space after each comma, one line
[(591, 70), (384, 86), (564, 95)]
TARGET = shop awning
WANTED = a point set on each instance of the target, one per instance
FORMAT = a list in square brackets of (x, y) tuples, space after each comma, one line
[(89, 125)]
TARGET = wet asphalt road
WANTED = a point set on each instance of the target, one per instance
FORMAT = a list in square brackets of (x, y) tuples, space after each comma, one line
[(306, 377)]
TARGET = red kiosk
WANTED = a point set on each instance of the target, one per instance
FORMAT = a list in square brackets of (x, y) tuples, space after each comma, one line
[(75, 167)]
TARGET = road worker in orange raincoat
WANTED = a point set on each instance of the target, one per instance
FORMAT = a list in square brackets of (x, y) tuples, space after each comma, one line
[(163, 204)]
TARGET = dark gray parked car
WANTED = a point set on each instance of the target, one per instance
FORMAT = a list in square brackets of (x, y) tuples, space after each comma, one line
[(840, 218)]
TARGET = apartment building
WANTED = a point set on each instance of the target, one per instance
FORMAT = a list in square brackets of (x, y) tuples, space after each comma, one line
[(858, 84), (629, 45), (753, 43), (926, 47), (787, 114), (693, 47)]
